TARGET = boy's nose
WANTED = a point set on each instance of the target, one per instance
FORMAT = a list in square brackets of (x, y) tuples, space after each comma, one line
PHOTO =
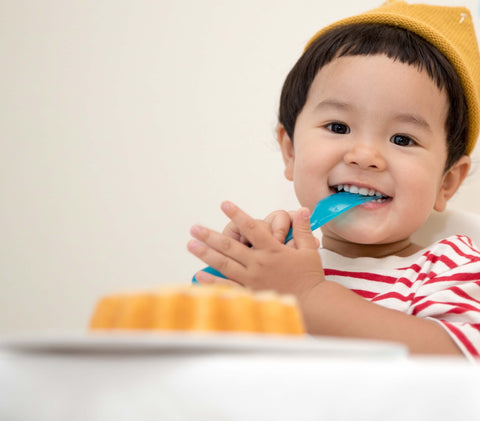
[(365, 156)]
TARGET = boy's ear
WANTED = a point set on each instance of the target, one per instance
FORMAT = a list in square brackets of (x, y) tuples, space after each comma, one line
[(452, 180), (286, 146)]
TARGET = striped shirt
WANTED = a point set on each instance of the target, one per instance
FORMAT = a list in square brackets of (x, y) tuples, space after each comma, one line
[(441, 283)]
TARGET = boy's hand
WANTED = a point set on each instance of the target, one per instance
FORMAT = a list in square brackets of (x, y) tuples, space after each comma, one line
[(268, 264), (279, 223)]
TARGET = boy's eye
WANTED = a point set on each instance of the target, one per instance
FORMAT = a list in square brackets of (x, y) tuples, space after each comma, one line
[(338, 128), (402, 140)]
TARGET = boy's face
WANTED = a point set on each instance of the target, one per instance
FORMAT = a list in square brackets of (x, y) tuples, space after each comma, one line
[(376, 124)]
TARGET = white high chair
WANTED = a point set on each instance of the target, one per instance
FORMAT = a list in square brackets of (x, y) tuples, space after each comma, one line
[(443, 224), (450, 222)]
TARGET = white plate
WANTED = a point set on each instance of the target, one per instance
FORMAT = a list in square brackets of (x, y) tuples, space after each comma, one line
[(188, 343)]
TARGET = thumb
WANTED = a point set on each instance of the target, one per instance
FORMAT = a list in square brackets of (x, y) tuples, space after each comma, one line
[(232, 231), (302, 233)]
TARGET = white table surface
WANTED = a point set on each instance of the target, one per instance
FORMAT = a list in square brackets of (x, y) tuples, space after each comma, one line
[(58, 378)]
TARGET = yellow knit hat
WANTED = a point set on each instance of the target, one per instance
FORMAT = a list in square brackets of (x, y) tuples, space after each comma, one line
[(449, 29)]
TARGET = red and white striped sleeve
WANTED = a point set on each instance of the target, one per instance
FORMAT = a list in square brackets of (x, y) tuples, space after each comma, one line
[(442, 284), (450, 291)]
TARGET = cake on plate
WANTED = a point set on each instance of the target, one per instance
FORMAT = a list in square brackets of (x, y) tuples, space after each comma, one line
[(199, 308)]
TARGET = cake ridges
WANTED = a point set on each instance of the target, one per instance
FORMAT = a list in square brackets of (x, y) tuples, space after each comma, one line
[(199, 308)]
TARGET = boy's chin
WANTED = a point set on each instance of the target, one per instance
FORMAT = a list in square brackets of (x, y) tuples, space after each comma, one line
[(361, 236)]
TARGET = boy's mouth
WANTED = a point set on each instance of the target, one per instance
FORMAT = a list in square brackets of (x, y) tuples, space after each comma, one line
[(364, 191)]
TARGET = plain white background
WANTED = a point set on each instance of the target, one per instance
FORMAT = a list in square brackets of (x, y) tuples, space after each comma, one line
[(122, 123)]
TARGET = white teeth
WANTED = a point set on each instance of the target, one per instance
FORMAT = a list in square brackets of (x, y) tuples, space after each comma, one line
[(348, 188), (364, 191)]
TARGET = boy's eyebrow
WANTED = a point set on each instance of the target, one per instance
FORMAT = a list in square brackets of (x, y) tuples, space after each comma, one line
[(333, 103), (413, 119)]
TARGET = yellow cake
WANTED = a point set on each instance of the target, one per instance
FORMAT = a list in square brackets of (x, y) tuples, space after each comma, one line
[(199, 308)]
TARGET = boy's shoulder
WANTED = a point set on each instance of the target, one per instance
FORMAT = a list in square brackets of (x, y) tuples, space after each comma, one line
[(452, 251), (458, 243)]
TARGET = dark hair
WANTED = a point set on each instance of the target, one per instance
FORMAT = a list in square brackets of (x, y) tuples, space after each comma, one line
[(371, 39)]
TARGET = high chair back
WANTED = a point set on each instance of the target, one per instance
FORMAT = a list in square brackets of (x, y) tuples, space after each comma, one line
[(450, 222), (441, 225)]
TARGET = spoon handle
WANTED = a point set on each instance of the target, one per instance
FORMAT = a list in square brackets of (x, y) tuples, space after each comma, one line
[(332, 206), (325, 210)]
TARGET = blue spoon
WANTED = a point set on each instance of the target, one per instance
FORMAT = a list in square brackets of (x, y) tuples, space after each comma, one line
[(325, 210)]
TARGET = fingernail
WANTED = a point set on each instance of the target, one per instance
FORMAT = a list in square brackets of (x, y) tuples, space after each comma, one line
[(196, 230), (227, 206), (194, 245), (201, 276), (305, 213)]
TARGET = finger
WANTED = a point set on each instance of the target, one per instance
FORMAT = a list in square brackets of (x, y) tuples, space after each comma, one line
[(291, 215), (256, 232), (280, 222), (220, 242), (219, 251), (231, 230), (224, 264), (302, 233), (205, 278)]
